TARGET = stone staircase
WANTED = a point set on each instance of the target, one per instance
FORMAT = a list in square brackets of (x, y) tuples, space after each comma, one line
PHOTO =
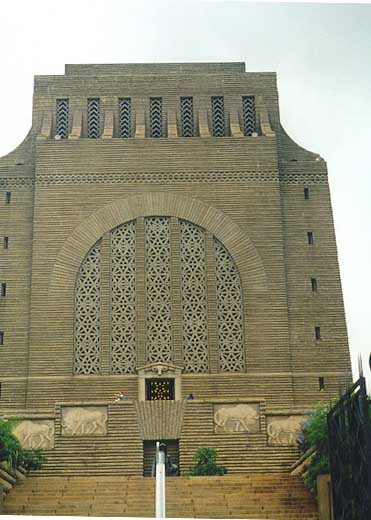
[(270, 496)]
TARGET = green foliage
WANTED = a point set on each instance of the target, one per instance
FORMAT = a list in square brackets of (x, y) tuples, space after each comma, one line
[(314, 430), (318, 465), (314, 435), (11, 450), (32, 459), (205, 459)]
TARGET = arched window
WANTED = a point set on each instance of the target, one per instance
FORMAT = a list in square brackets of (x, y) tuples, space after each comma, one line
[(172, 280)]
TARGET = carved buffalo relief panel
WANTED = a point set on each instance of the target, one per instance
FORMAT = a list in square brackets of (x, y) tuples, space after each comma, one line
[(88, 420), (236, 418), (282, 429), (35, 434)]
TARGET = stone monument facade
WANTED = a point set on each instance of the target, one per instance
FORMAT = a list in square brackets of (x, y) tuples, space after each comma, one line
[(163, 236)]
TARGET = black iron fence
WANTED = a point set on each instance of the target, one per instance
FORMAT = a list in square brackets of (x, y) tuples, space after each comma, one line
[(349, 428)]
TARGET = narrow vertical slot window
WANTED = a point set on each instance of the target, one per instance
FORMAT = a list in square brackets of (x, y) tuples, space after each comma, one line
[(62, 118), (124, 118), (8, 196), (313, 281), (317, 332), (306, 193), (3, 289), (94, 118), (217, 113), (1, 337), (249, 117), (6, 243), (155, 117), (186, 113), (310, 237), (321, 384)]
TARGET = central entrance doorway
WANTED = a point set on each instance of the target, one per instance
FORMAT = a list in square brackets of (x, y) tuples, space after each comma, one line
[(149, 452), (160, 389)]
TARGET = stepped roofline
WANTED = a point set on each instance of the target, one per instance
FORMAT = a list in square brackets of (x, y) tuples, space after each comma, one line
[(154, 68)]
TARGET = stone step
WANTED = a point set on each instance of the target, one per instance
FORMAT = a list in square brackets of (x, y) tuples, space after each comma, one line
[(271, 496)]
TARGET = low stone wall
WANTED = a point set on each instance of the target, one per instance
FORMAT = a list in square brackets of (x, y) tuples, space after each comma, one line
[(300, 466), (8, 478), (324, 497)]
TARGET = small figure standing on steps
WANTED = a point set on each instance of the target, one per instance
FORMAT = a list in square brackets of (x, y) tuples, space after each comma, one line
[(122, 396), (190, 397)]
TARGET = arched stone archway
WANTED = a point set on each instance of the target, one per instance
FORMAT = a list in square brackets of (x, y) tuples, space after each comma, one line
[(62, 282), (243, 252)]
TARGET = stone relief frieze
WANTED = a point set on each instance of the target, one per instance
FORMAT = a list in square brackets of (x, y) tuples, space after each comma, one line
[(304, 178), (236, 418), (88, 420), (35, 434), (263, 176), (282, 429), (178, 177), (25, 183)]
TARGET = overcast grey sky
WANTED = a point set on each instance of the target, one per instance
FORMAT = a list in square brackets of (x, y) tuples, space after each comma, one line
[(321, 53)]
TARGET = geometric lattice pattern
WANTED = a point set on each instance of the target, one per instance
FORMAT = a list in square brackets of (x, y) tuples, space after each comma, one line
[(125, 117), (194, 303), (94, 118), (229, 304), (87, 315), (249, 117), (186, 113), (62, 118), (193, 312), (217, 113), (155, 117), (123, 311), (158, 289)]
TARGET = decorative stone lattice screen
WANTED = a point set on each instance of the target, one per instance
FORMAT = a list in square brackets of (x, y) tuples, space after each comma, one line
[(162, 284), (123, 315), (158, 289), (87, 314)]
